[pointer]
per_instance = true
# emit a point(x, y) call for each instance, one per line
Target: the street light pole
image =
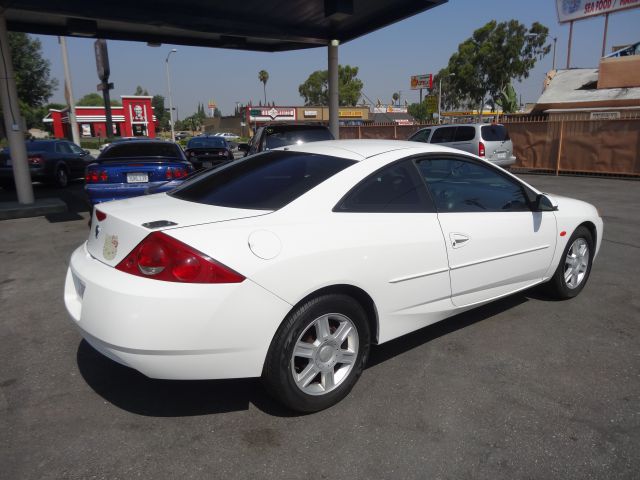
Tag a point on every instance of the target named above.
point(166, 61)
point(555, 39)
point(440, 97)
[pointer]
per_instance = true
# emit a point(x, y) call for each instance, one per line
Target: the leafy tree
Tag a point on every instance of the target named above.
point(95, 100)
point(140, 91)
point(395, 97)
point(33, 77)
point(315, 89)
point(497, 53)
point(263, 76)
point(419, 111)
point(161, 113)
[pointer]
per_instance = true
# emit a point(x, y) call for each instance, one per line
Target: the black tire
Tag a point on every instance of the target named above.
point(8, 185)
point(558, 287)
point(61, 178)
point(281, 365)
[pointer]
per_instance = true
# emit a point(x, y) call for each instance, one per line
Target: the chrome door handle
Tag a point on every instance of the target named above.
point(458, 239)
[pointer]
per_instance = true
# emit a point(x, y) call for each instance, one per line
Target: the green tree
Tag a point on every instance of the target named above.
point(419, 111)
point(161, 113)
point(95, 100)
point(315, 89)
point(263, 76)
point(141, 91)
point(33, 77)
point(495, 55)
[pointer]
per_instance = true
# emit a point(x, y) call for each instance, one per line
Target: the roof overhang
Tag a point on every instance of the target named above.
point(271, 25)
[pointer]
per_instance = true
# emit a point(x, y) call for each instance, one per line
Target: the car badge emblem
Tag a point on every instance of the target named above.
point(97, 230)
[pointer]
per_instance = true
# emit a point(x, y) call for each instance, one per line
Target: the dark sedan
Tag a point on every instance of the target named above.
point(207, 152)
point(128, 169)
point(50, 161)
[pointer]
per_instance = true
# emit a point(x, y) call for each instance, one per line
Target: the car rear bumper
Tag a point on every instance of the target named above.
point(172, 330)
point(98, 193)
point(503, 162)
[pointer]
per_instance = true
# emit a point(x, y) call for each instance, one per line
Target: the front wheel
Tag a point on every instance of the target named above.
point(575, 266)
point(318, 353)
point(61, 178)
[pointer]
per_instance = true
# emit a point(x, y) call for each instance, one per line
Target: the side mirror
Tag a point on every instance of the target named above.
point(543, 203)
point(243, 147)
point(86, 152)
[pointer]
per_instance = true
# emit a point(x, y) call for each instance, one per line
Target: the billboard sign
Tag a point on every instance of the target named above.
point(422, 81)
point(570, 10)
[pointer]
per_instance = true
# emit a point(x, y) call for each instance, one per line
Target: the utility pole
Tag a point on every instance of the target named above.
point(102, 64)
point(68, 92)
point(166, 61)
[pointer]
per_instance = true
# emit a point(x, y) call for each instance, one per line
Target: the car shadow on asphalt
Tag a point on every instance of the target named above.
point(136, 393)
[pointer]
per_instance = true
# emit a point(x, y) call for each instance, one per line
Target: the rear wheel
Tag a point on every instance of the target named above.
point(318, 353)
point(61, 177)
point(575, 266)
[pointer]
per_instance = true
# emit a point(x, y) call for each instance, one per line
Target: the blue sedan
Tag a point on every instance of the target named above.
point(128, 169)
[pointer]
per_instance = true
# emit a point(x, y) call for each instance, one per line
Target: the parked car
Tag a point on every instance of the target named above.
point(182, 135)
point(50, 161)
point(120, 139)
point(280, 135)
point(291, 263)
point(227, 136)
point(490, 141)
point(127, 169)
point(208, 151)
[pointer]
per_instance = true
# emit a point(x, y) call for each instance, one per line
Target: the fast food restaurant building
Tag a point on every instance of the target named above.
point(133, 119)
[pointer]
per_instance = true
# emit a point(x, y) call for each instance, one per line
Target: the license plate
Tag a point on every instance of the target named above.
point(501, 154)
point(137, 177)
point(207, 164)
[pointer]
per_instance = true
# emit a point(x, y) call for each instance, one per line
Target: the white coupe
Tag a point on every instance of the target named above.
point(289, 264)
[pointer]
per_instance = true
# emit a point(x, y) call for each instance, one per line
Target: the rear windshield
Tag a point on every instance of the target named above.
point(494, 133)
point(140, 150)
point(39, 146)
point(267, 181)
point(280, 138)
point(207, 142)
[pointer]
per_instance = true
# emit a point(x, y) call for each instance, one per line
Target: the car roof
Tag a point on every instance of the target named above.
point(363, 149)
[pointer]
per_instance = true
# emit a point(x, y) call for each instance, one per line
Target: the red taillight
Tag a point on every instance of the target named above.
point(35, 160)
point(103, 176)
point(481, 149)
point(169, 174)
point(100, 215)
point(162, 257)
point(94, 176)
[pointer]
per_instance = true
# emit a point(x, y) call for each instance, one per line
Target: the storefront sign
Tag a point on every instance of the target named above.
point(268, 114)
point(570, 10)
point(350, 114)
point(310, 113)
point(421, 81)
point(605, 116)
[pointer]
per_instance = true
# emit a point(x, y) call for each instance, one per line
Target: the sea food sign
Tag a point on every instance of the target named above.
point(570, 10)
point(272, 114)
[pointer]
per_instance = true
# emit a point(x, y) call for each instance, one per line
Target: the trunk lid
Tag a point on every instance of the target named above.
point(129, 221)
point(132, 171)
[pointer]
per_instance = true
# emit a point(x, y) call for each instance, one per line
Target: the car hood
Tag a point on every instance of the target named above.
point(129, 221)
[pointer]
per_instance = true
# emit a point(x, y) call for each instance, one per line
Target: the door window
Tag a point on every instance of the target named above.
point(395, 188)
point(443, 135)
point(458, 185)
point(76, 149)
point(63, 147)
point(421, 135)
point(464, 134)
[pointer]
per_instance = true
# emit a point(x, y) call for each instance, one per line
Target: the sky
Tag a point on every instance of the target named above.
point(386, 58)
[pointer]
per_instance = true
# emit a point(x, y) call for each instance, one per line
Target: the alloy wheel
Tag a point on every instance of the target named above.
point(576, 263)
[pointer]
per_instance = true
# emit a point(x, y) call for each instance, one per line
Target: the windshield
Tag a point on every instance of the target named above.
point(207, 142)
point(140, 150)
point(280, 138)
point(494, 133)
point(266, 181)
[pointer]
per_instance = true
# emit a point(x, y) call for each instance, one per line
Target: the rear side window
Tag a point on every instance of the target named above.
point(443, 135)
point(281, 137)
point(420, 135)
point(396, 188)
point(267, 181)
point(140, 150)
point(40, 146)
point(494, 133)
point(465, 134)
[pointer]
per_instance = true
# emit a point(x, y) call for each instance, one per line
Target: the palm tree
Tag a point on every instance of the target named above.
point(263, 76)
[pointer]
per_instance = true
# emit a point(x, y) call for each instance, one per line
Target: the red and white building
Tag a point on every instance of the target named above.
point(133, 119)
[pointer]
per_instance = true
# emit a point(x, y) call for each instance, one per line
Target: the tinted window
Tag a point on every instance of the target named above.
point(140, 150)
point(420, 136)
point(207, 142)
point(463, 186)
point(40, 146)
point(396, 188)
point(465, 134)
point(63, 147)
point(268, 181)
point(276, 137)
point(494, 133)
point(442, 135)
point(76, 149)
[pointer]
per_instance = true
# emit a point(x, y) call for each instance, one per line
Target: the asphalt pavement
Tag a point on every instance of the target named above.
point(522, 388)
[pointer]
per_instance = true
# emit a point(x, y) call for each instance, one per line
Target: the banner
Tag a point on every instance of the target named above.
point(422, 81)
point(570, 10)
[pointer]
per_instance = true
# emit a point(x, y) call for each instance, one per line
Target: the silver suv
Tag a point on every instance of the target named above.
point(487, 140)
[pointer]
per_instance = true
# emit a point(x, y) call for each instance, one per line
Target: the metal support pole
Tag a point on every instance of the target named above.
point(439, 102)
point(107, 109)
point(569, 46)
point(604, 38)
point(334, 103)
point(13, 121)
point(68, 92)
point(555, 39)
point(173, 130)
